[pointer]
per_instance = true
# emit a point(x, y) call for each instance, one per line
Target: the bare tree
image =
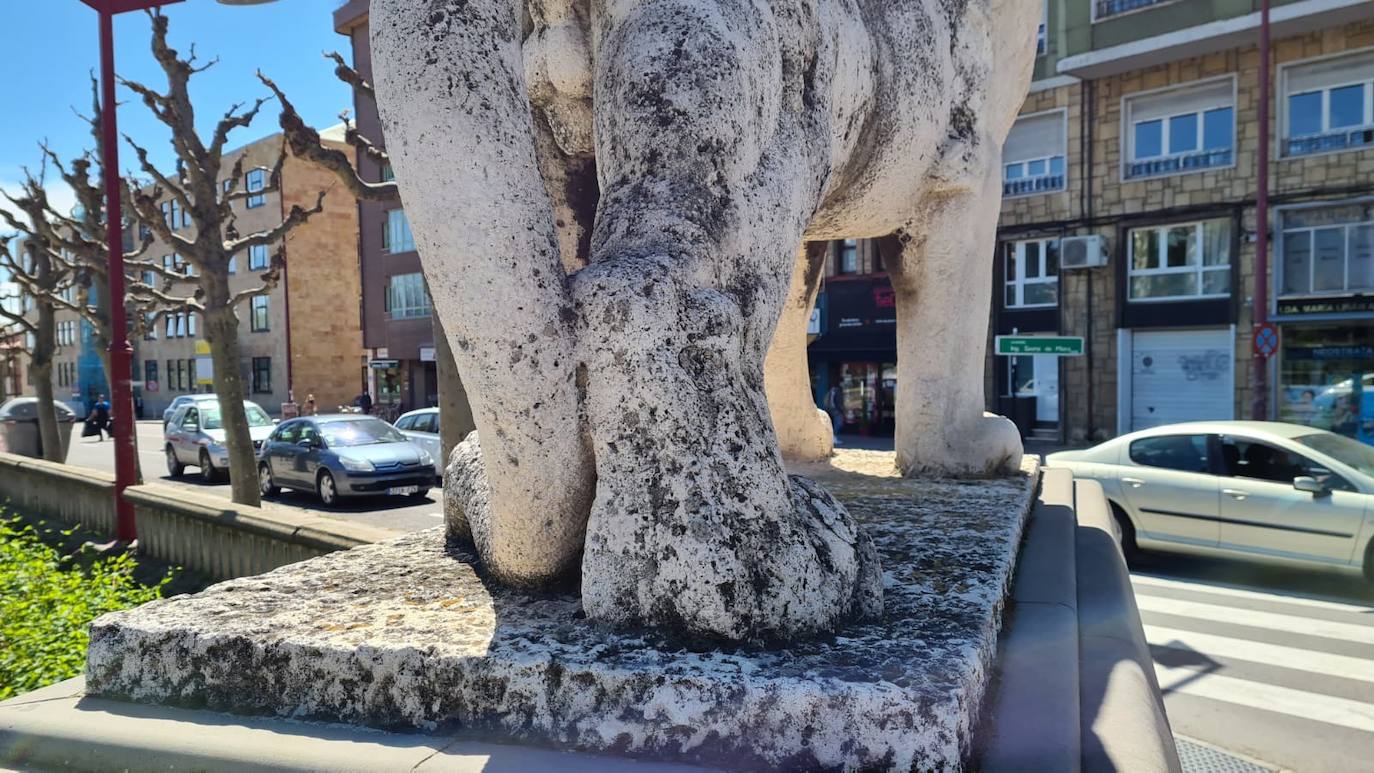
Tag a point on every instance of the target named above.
point(196, 190)
point(44, 281)
point(455, 415)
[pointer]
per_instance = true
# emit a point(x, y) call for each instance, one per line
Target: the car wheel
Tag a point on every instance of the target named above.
point(207, 469)
point(1129, 548)
point(327, 489)
point(265, 485)
point(174, 465)
point(421, 494)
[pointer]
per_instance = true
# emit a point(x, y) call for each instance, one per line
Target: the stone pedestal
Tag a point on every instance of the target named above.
point(407, 634)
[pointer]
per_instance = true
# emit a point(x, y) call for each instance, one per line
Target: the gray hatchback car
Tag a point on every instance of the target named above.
point(343, 455)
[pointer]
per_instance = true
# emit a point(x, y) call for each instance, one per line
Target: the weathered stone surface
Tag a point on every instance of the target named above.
point(608, 199)
point(408, 634)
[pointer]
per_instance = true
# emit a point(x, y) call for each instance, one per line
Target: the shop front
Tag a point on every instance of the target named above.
point(854, 361)
point(1325, 311)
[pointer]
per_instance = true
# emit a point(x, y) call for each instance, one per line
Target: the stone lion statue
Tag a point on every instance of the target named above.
point(610, 198)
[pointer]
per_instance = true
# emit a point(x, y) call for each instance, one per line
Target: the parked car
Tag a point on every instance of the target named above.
point(1281, 493)
point(195, 437)
point(181, 400)
point(343, 455)
point(422, 427)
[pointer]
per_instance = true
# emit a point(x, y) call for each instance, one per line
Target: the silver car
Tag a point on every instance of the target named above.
point(1281, 493)
point(181, 400)
point(343, 455)
point(422, 428)
point(195, 437)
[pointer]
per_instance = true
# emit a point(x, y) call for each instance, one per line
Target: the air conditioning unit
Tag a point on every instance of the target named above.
point(1082, 252)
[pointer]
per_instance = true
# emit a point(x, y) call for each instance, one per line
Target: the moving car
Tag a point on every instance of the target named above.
point(422, 428)
point(195, 436)
point(181, 400)
point(1281, 493)
point(343, 455)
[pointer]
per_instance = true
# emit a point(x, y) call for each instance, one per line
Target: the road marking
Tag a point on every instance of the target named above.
point(1343, 712)
point(1149, 581)
point(1273, 621)
point(435, 515)
point(1342, 666)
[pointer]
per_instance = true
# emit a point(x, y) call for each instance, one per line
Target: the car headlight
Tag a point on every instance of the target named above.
point(425, 458)
point(356, 465)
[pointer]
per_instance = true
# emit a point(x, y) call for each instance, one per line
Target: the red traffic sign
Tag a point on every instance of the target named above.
point(1266, 340)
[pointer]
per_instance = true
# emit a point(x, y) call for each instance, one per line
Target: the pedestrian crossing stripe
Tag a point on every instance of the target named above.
point(1292, 658)
point(1150, 581)
point(1190, 680)
point(1215, 613)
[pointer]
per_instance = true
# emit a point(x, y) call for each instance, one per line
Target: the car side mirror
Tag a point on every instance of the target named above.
point(1311, 485)
point(305, 443)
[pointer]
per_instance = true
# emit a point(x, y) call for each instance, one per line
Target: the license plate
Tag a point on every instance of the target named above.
point(402, 490)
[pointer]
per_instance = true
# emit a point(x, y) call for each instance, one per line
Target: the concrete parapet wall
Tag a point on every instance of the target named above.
point(59, 492)
point(206, 534)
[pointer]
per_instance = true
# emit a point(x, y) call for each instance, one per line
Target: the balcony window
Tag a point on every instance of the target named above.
point(396, 237)
point(1179, 131)
point(1033, 158)
point(1327, 251)
point(1031, 273)
point(1328, 105)
point(1183, 261)
point(1103, 9)
point(406, 297)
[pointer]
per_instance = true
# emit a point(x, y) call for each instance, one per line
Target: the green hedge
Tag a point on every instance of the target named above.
point(47, 601)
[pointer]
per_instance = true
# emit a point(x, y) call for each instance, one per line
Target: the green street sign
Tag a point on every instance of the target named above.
point(1057, 346)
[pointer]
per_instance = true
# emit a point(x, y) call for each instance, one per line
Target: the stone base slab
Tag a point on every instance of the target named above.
point(406, 634)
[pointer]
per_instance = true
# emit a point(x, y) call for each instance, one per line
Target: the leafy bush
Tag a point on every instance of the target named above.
point(47, 601)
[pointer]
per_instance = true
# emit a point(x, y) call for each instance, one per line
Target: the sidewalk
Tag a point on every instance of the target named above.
point(873, 443)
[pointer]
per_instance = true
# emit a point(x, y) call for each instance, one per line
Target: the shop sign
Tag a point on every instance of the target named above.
point(205, 364)
point(1354, 304)
point(426, 354)
point(1057, 346)
point(384, 364)
point(1361, 352)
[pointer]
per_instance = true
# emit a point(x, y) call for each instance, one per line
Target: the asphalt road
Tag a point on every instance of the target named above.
point(399, 513)
point(1273, 664)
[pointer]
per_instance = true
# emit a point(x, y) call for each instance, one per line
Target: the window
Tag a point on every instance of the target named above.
point(1031, 272)
point(171, 325)
point(262, 375)
point(226, 185)
point(847, 257)
point(166, 214)
point(1327, 250)
point(1103, 9)
point(172, 375)
point(181, 325)
point(149, 327)
point(1180, 130)
point(150, 278)
point(406, 297)
point(397, 237)
point(191, 375)
point(289, 432)
point(258, 317)
point(191, 323)
point(1187, 453)
point(149, 371)
point(1328, 104)
point(1252, 459)
point(1183, 261)
point(257, 257)
point(1033, 156)
point(388, 174)
point(254, 181)
point(406, 422)
point(234, 265)
point(1040, 30)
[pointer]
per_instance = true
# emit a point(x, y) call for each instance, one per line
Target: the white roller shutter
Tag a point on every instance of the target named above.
point(1038, 136)
point(1181, 375)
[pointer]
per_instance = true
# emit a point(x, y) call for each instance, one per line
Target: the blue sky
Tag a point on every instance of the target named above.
point(52, 45)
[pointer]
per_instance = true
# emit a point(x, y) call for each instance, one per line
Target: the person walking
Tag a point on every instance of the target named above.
point(99, 418)
point(364, 402)
point(834, 405)
point(310, 409)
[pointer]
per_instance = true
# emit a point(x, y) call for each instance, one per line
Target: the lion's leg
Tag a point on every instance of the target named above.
point(943, 280)
point(695, 526)
point(804, 431)
point(450, 81)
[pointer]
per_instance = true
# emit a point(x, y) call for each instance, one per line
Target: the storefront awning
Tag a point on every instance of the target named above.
point(860, 322)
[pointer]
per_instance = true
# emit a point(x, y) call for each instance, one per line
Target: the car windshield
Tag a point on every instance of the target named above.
point(359, 432)
point(1344, 450)
point(210, 418)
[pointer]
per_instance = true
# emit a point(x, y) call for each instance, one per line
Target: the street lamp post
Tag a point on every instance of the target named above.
point(121, 352)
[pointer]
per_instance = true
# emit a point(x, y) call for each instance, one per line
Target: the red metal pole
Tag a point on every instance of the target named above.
point(121, 353)
point(1260, 313)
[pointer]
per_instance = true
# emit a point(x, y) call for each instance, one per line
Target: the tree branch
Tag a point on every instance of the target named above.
point(297, 216)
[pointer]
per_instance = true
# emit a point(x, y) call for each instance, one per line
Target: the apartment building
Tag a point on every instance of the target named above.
point(398, 331)
point(300, 338)
point(1129, 217)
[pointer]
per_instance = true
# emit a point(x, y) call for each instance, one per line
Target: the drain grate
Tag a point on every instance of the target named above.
point(1198, 757)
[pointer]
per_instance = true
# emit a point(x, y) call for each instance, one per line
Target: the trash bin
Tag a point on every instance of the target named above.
point(19, 427)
